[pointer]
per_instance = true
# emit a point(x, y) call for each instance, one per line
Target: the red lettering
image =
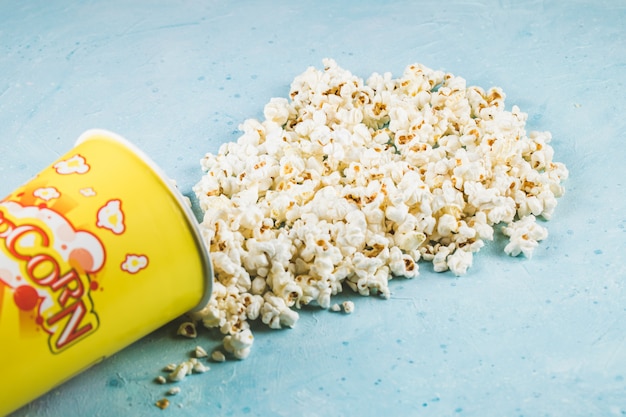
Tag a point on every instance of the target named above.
point(13, 239)
point(6, 226)
point(37, 265)
point(64, 282)
point(42, 266)
point(71, 331)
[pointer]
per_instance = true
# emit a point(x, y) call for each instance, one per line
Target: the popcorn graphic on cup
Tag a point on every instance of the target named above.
point(74, 165)
point(87, 192)
point(47, 193)
point(134, 263)
point(111, 217)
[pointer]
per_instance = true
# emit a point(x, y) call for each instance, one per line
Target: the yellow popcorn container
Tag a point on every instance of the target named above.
point(98, 250)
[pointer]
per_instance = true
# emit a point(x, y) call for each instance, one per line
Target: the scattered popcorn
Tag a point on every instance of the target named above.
point(170, 367)
point(218, 356)
point(173, 391)
point(187, 329)
point(160, 380)
point(199, 352)
point(163, 403)
point(199, 367)
point(348, 307)
point(180, 372)
point(239, 344)
point(351, 182)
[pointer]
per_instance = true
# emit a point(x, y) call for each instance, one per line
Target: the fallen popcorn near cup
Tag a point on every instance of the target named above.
point(351, 183)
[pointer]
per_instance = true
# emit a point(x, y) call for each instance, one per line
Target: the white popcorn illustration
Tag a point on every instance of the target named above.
point(87, 192)
point(74, 165)
point(47, 193)
point(134, 263)
point(111, 217)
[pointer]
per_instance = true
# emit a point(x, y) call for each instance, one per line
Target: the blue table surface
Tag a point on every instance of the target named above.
point(514, 337)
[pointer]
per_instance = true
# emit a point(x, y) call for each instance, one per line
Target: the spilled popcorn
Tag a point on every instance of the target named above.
point(350, 183)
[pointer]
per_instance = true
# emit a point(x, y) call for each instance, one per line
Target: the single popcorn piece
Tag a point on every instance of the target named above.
point(199, 352)
point(460, 261)
point(525, 235)
point(188, 329)
point(170, 367)
point(173, 391)
point(239, 344)
point(349, 183)
point(199, 368)
point(276, 314)
point(180, 372)
point(348, 307)
point(218, 356)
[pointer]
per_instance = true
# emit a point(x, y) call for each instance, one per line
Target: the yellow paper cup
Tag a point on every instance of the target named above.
point(96, 251)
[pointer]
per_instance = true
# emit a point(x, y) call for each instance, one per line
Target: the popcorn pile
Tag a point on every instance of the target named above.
point(351, 183)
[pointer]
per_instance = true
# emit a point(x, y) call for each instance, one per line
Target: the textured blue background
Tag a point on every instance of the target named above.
point(514, 337)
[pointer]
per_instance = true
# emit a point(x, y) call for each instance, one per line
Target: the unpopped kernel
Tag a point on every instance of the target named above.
point(350, 182)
